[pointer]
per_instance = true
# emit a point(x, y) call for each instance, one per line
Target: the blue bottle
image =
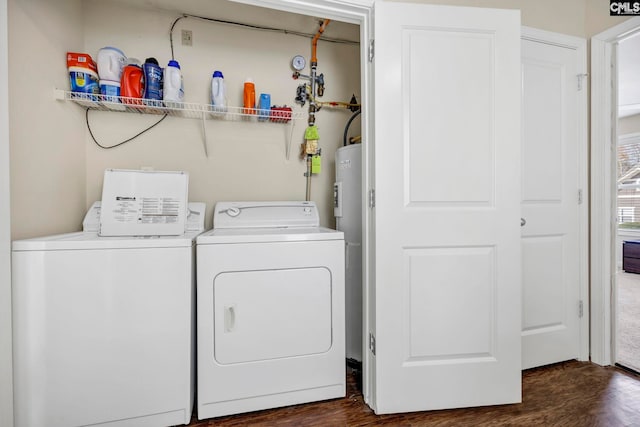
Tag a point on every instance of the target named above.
point(152, 80)
point(265, 107)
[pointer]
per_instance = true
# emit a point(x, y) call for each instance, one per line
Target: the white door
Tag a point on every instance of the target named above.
point(447, 210)
point(550, 205)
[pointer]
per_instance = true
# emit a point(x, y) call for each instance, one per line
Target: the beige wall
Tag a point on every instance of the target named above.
point(246, 160)
point(47, 136)
point(597, 17)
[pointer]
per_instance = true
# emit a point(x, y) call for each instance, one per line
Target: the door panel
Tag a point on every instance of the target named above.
point(447, 173)
point(457, 294)
point(550, 323)
point(428, 163)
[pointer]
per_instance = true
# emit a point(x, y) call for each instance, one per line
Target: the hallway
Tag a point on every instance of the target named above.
point(628, 320)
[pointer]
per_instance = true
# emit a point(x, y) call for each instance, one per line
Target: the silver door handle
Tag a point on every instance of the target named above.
point(523, 222)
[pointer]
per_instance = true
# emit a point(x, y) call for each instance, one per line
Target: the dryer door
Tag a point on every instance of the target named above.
point(270, 314)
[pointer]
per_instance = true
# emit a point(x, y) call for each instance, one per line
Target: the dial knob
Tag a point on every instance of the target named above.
point(233, 211)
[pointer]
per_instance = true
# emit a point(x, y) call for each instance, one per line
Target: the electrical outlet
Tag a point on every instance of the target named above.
point(187, 38)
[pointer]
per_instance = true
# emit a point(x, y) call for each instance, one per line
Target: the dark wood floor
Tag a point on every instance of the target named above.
point(567, 394)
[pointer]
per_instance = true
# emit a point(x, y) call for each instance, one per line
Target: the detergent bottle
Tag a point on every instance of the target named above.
point(173, 86)
point(111, 61)
point(152, 79)
point(218, 92)
point(249, 97)
point(132, 82)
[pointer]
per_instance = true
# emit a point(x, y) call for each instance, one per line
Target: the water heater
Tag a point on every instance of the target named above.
point(348, 212)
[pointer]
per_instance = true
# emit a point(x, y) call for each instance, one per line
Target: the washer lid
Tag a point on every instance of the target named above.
point(267, 235)
point(90, 240)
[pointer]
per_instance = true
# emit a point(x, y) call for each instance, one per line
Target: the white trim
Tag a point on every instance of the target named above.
point(6, 365)
point(603, 139)
point(580, 46)
point(558, 39)
point(351, 11)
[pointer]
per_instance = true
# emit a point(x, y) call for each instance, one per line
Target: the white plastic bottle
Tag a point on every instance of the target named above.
point(173, 93)
point(111, 61)
point(218, 92)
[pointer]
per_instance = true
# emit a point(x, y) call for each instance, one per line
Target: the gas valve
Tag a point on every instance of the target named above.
point(320, 83)
point(301, 94)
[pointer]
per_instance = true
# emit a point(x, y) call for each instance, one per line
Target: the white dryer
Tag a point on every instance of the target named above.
point(104, 329)
point(270, 308)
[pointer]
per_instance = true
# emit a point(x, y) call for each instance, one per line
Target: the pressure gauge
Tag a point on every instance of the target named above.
point(298, 62)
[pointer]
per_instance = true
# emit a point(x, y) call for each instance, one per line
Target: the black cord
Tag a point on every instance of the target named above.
point(273, 29)
point(107, 147)
point(346, 128)
point(254, 27)
point(171, 34)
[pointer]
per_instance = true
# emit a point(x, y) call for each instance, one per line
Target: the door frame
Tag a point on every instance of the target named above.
point(603, 142)
point(580, 46)
point(6, 360)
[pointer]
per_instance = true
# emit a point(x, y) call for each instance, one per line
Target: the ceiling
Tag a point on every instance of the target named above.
point(629, 76)
point(253, 15)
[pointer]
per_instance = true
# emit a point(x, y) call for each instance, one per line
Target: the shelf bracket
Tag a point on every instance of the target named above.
point(288, 147)
point(58, 94)
point(204, 134)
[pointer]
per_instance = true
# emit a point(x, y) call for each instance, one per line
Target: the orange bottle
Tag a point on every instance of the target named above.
point(249, 97)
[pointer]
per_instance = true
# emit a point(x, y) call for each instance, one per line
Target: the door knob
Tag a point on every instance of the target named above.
point(523, 222)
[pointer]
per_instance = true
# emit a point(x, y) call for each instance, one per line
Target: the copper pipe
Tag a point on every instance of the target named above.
point(314, 64)
point(308, 175)
point(314, 42)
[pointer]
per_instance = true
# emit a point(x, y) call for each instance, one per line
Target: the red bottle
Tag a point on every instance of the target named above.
point(132, 84)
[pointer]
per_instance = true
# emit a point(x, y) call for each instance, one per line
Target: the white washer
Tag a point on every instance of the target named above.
point(104, 330)
point(270, 308)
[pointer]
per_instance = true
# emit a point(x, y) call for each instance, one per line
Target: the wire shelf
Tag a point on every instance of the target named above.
point(186, 110)
point(176, 109)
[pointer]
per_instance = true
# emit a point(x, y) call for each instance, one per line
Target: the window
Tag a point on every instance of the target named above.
point(629, 182)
